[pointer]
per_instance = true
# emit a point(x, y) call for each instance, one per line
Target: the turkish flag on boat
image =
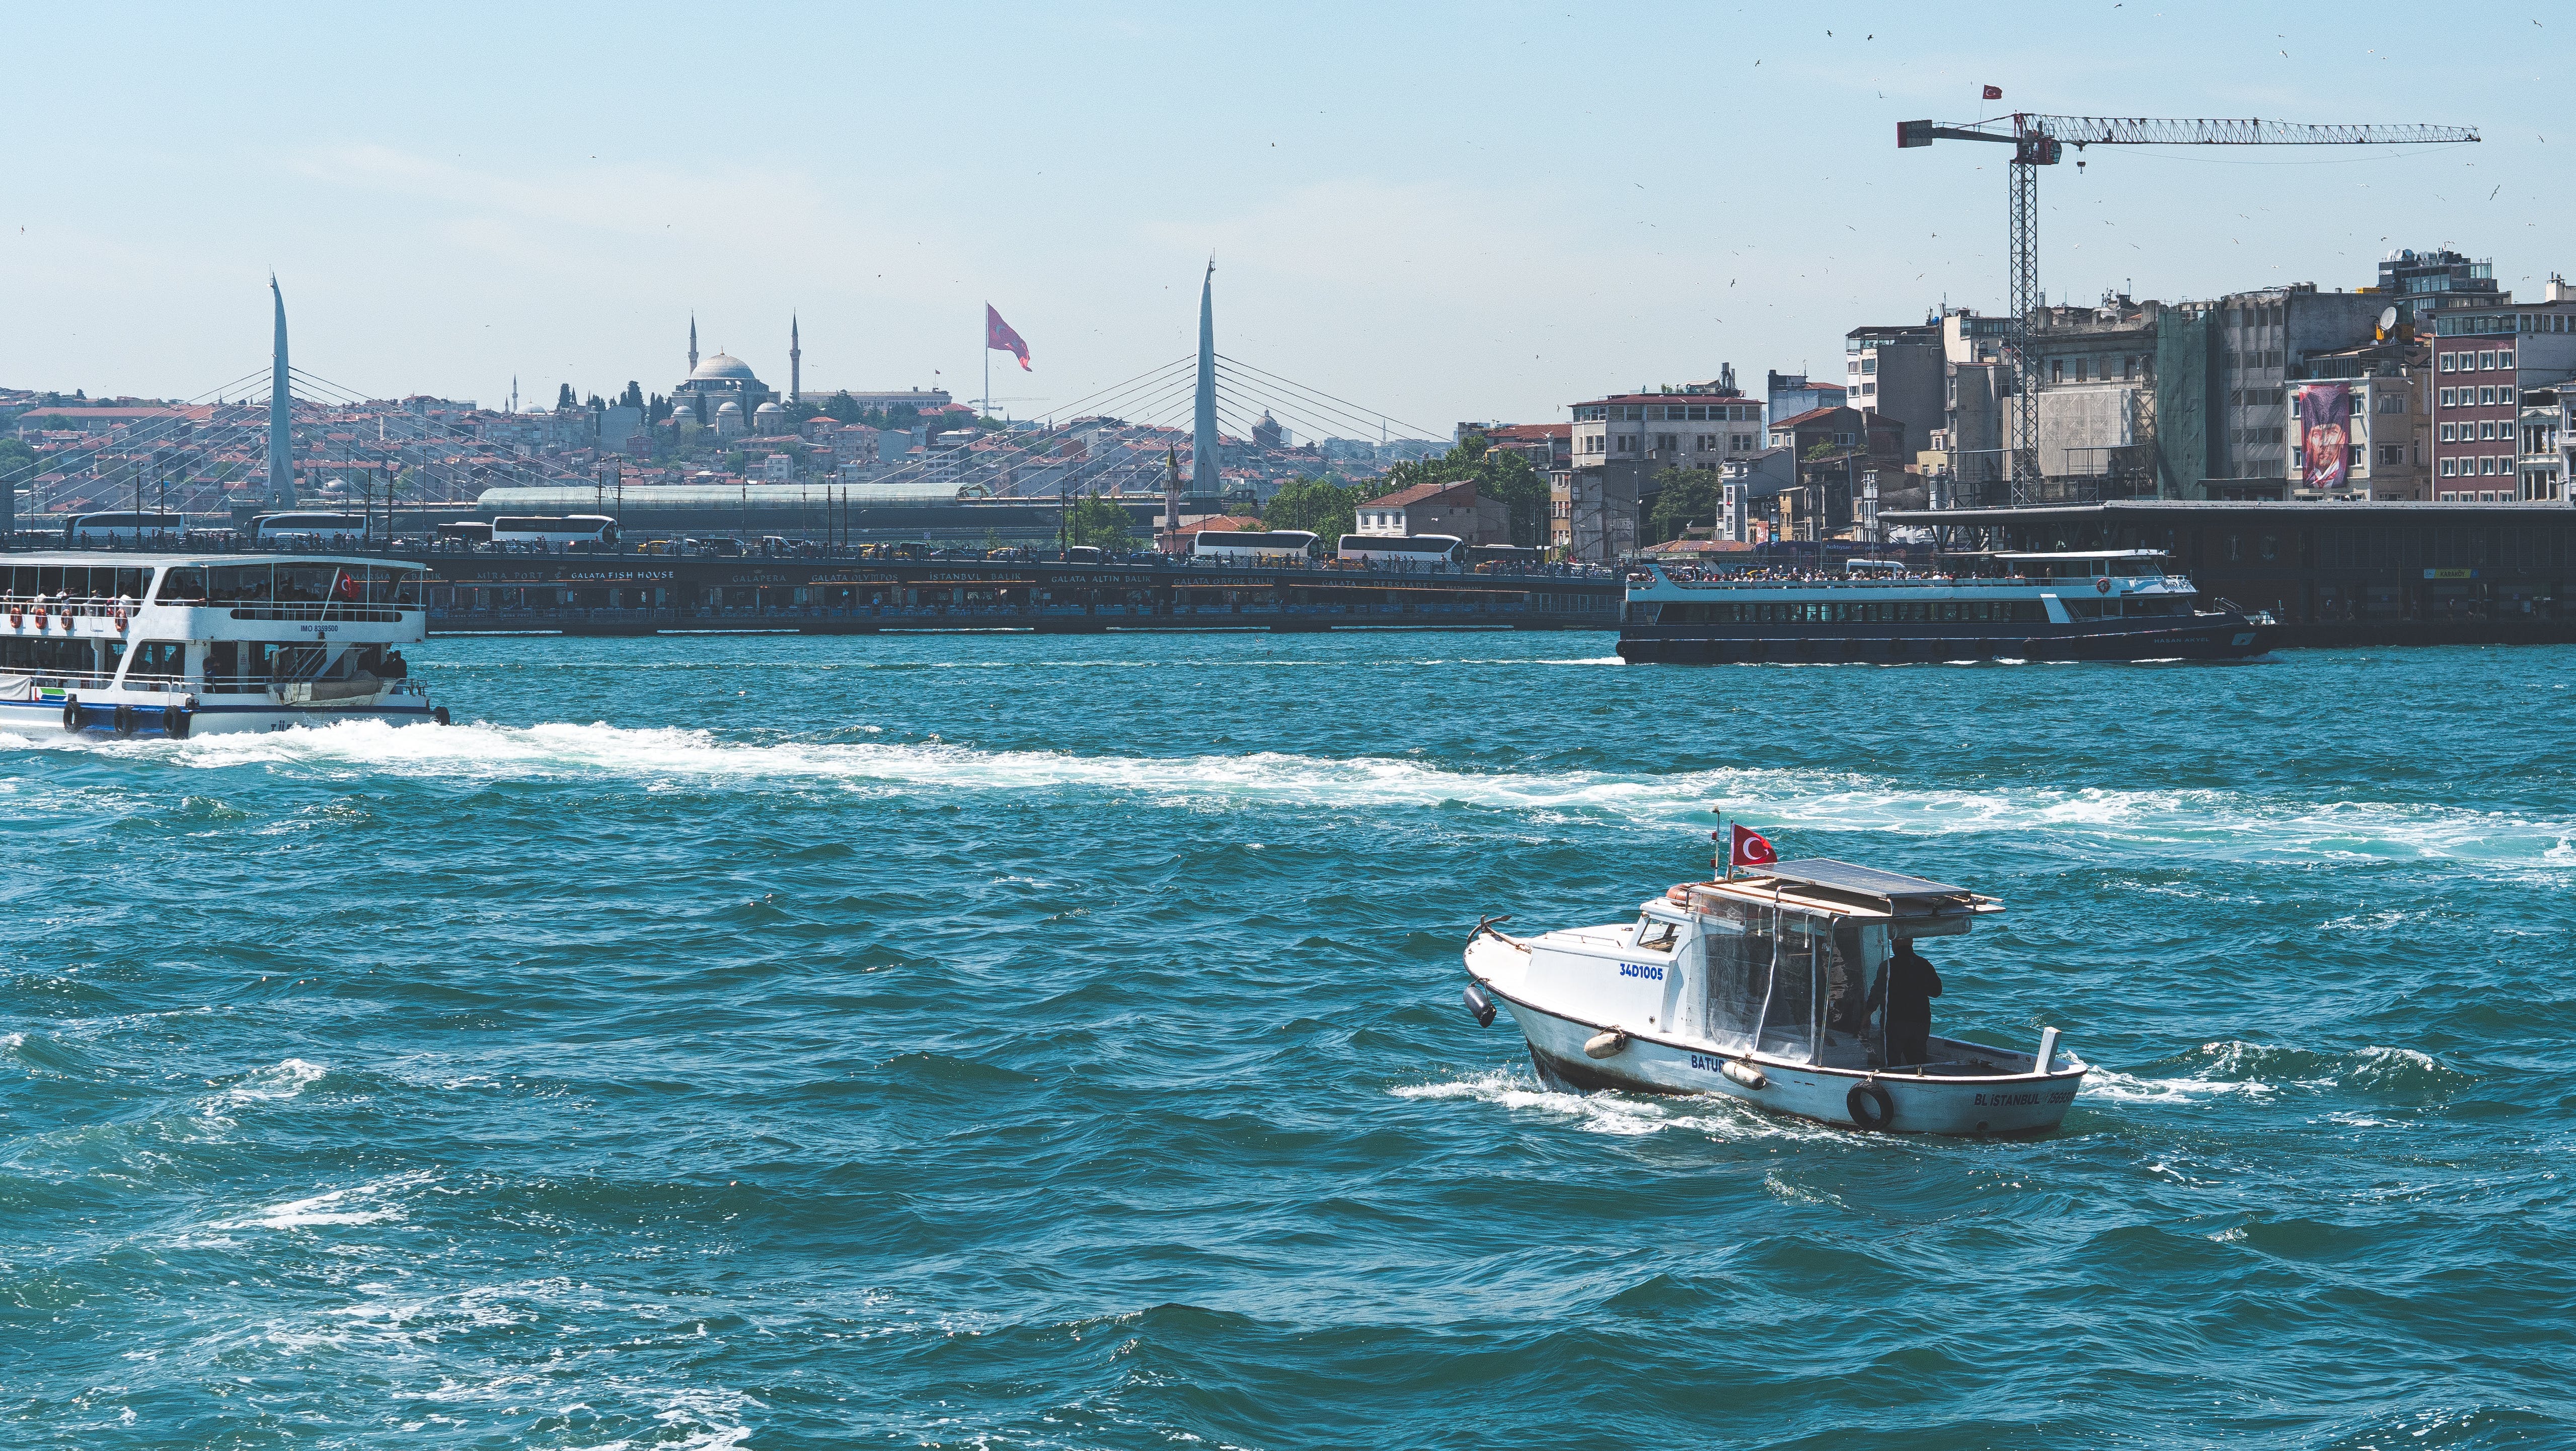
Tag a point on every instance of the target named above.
point(1994, 93)
point(999, 334)
point(1753, 849)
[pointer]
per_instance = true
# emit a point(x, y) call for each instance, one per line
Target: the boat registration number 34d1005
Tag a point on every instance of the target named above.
point(1641, 969)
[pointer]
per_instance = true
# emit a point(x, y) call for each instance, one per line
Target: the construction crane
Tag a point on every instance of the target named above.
point(2039, 141)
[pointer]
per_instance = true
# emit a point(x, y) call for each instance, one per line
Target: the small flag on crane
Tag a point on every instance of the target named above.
point(1994, 93)
point(1000, 335)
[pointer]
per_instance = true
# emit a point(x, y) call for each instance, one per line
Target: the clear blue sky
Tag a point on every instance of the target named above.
point(1444, 211)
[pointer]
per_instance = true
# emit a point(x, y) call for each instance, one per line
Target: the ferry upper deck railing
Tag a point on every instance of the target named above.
point(364, 612)
point(1774, 579)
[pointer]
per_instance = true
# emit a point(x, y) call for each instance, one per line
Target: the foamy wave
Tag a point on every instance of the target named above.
point(2234, 1068)
point(1621, 1114)
point(285, 1080)
point(2173, 823)
point(373, 1203)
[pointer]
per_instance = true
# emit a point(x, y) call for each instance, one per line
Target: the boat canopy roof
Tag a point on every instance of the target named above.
point(1822, 886)
point(1824, 871)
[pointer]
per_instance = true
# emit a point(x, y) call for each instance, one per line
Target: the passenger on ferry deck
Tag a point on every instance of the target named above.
point(1911, 987)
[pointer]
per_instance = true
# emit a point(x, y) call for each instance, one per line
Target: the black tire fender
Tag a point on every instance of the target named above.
point(71, 713)
point(122, 718)
point(438, 713)
point(1870, 1106)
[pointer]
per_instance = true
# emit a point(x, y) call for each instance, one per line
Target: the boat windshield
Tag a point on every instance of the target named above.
point(1796, 984)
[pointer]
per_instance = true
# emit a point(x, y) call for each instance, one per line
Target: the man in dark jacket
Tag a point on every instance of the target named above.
point(1911, 987)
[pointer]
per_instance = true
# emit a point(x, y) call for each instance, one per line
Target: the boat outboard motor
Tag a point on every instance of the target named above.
point(1479, 1006)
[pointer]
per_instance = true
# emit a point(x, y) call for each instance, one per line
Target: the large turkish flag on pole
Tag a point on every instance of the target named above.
point(999, 334)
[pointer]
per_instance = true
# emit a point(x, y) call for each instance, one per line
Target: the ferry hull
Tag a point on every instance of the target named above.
point(98, 716)
point(2014, 1104)
point(2223, 638)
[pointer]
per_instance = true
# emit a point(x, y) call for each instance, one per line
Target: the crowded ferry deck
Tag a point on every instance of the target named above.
point(2081, 605)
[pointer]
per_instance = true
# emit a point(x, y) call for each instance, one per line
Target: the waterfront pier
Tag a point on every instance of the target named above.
point(864, 592)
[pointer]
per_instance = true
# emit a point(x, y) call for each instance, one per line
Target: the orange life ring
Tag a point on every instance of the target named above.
point(40, 614)
point(120, 619)
point(17, 614)
point(2102, 586)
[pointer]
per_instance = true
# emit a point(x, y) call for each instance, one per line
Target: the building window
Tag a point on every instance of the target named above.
point(2486, 464)
point(2505, 358)
point(2505, 396)
point(2450, 433)
point(2450, 362)
point(2446, 399)
point(2057, 370)
point(2392, 454)
point(2450, 466)
point(2128, 369)
point(2486, 360)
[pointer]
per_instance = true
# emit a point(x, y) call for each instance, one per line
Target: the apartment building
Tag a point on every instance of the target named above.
point(2548, 423)
point(1897, 372)
point(2388, 432)
point(2484, 359)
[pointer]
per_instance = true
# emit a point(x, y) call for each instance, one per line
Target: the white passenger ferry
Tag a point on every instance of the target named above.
point(171, 644)
point(1776, 988)
point(2124, 604)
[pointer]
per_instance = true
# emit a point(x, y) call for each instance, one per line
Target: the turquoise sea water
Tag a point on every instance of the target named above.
point(1001, 1042)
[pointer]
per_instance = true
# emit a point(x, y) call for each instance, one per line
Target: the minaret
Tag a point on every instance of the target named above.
point(795, 363)
point(693, 342)
point(1203, 452)
point(281, 415)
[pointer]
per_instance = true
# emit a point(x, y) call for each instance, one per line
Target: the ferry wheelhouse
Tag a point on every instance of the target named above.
point(1774, 988)
point(2090, 605)
point(171, 644)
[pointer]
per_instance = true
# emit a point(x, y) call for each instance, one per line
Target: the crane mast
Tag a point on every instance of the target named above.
point(2041, 140)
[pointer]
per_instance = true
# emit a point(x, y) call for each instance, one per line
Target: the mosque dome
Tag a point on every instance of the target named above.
point(728, 407)
point(721, 367)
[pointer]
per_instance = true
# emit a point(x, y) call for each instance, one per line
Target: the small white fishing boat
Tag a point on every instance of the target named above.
point(1775, 988)
point(170, 644)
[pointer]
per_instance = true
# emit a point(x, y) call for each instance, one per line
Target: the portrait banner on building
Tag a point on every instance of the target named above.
point(2325, 427)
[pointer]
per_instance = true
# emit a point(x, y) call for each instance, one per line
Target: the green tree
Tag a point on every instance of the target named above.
point(564, 398)
point(1098, 522)
point(633, 397)
point(1509, 477)
point(1689, 497)
point(1328, 509)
